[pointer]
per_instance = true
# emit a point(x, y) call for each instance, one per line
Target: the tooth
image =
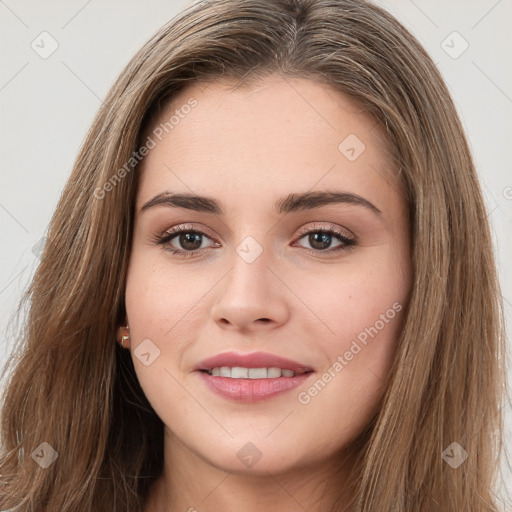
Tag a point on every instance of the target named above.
point(274, 372)
point(225, 371)
point(257, 373)
point(238, 372)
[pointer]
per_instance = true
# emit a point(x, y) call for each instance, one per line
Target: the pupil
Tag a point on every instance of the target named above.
point(322, 238)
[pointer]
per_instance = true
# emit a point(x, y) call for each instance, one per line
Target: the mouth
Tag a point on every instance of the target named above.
point(248, 378)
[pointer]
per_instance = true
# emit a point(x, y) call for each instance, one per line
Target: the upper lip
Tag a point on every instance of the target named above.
point(252, 360)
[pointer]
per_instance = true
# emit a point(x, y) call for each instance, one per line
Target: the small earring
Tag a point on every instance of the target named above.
point(124, 337)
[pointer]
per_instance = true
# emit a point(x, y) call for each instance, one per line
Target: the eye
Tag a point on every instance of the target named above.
point(190, 240)
point(320, 238)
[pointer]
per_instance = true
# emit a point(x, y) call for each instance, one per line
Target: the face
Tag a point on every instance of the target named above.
point(298, 250)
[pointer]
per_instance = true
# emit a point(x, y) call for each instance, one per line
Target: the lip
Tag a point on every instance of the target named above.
point(251, 390)
point(253, 360)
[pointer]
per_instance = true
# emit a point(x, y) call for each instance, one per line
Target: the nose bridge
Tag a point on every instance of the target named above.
point(248, 280)
point(250, 291)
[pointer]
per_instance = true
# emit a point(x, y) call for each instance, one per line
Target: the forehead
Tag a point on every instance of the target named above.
point(279, 133)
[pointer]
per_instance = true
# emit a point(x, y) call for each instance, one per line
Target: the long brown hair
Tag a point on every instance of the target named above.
point(72, 387)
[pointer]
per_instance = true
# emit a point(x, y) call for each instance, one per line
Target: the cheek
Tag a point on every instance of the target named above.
point(366, 293)
point(161, 297)
point(160, 311)
point(363, 307)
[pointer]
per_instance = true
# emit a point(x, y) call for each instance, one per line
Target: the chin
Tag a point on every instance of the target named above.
point(258, 457)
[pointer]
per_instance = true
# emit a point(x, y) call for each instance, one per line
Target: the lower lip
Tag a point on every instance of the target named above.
point(252, 390)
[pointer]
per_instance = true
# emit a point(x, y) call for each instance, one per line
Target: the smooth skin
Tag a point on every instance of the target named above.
point(306, 297)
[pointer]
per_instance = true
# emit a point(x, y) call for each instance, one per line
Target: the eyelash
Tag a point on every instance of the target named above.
point(165, 239)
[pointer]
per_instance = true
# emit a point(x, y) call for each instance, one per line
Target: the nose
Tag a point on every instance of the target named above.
point(251, 297)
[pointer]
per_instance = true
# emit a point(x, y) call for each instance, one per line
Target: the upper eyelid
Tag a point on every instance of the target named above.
point(330, 227)
point(338, 230)
point(186, 228)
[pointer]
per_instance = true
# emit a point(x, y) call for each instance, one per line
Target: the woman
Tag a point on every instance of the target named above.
point(277, 217)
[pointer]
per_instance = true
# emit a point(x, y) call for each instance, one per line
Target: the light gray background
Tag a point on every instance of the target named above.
point(47, 105)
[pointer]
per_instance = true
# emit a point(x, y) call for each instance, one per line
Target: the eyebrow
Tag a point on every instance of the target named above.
point(290, 203)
